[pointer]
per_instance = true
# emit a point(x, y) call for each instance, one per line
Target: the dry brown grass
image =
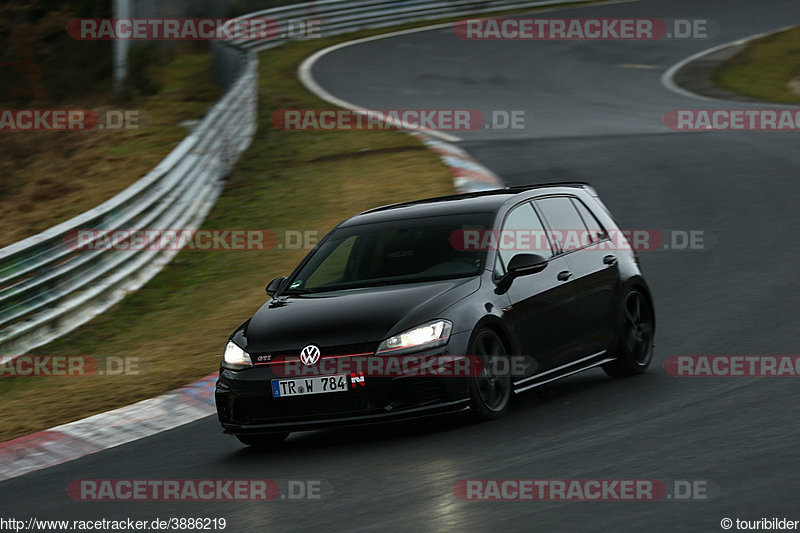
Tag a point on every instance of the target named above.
point(49, 177)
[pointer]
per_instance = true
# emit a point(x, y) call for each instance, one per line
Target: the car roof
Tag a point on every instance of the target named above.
point(473, 202)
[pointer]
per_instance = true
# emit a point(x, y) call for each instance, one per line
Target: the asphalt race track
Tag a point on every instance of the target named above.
point(587, 118)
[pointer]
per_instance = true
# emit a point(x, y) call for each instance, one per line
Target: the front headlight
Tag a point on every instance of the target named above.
point(423, 337)
point(236, 358)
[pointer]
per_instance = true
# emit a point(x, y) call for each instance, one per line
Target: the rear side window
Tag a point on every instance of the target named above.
point(566, 227)
point(596, 231)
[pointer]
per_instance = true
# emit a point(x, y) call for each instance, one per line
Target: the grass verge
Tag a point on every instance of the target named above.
point(49, 177)
point(768, 69)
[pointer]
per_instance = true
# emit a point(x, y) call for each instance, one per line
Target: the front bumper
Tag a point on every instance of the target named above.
point(245, 404)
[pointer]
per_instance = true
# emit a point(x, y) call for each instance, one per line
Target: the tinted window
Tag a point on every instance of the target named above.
point(523, 232)
point(596, 231)
point(398, 251)
point(565, 225)
point(334, 266)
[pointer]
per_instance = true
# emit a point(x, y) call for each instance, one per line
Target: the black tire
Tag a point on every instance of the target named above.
point(270, 440)
point(490, 395)
point(635, 338)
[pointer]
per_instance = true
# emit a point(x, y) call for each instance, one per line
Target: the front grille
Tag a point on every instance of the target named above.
point(364, 348)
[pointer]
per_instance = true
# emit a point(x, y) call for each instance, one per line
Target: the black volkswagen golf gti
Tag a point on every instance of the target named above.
point(526, 285)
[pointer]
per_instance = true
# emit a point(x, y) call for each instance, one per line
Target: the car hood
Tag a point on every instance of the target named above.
point(355, 316)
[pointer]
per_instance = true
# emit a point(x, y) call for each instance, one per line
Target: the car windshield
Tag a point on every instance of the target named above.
point(400, 251)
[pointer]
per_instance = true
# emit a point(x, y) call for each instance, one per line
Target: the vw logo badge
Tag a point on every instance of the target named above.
point(310, 355)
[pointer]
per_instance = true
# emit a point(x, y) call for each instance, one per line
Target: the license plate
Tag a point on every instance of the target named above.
point(311, 385)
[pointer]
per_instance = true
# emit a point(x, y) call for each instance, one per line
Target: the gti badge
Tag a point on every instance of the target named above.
point(310, 355)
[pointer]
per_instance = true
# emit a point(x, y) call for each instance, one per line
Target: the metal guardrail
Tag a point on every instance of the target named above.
point(343, 16)
point(47, 289)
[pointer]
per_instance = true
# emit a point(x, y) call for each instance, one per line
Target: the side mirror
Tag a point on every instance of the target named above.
point(520, 265)
point(275, 285)
point(523, 264)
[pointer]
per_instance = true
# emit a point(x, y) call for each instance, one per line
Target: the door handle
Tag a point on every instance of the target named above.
point(564, 275)
point(610, 260)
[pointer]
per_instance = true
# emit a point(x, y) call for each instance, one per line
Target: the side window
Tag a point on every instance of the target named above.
point(566, 227)
point(596, 231)
point(523, 232)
